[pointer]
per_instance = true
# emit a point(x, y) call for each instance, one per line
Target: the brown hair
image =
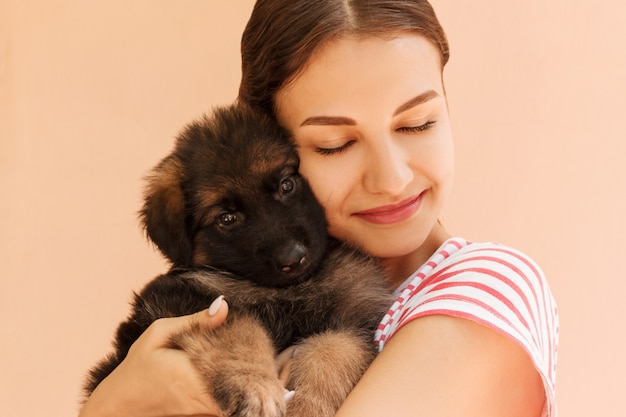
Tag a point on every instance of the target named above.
point(281, 36)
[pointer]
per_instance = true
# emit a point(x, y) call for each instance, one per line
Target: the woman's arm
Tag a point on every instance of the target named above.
point(154, 380)
point(444, 366)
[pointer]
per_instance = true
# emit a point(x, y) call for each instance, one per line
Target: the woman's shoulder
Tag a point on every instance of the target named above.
point(489, 281)
point(495, 285)
point(456, 247)
point(468, 263)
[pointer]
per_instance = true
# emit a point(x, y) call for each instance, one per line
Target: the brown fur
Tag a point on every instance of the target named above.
point(228, 208)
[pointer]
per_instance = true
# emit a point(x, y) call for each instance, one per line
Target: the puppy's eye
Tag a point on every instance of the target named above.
point(227, 219)
point(287, 185)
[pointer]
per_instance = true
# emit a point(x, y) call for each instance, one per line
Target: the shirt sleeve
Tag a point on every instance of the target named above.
point(496, 286)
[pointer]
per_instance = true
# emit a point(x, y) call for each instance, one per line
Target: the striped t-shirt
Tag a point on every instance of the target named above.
point(491, 284)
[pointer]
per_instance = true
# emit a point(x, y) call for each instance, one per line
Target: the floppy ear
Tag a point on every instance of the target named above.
point(163, 213)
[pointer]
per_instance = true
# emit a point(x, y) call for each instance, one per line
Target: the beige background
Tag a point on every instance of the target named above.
point(91, 94)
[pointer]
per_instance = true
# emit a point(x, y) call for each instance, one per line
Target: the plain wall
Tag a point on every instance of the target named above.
point(92, 94)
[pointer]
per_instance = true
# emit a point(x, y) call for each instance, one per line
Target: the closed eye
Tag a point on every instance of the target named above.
point(333, 151)
point(416, 129)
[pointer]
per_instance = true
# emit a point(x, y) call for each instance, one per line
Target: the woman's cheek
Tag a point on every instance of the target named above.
point(317, 178)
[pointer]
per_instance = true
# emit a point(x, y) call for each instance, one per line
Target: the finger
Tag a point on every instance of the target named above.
point(217, 312)
point(159, 332)
point(283, 373)
point(289, 395)
point(283, 357)
point(283, 363)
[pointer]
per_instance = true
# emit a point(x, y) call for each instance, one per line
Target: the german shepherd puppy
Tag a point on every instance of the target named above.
point(228, 208)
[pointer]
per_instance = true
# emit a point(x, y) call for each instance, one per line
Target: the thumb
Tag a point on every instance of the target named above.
point(211, 317)
point(160, 330)
point(217, 312)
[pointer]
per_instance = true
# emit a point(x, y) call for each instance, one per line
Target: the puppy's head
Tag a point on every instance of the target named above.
point(229, 196)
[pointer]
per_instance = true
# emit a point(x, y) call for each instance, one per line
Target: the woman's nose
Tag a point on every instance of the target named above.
point(387, 170)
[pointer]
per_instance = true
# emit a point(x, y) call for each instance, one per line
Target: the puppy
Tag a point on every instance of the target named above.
point(228, 208)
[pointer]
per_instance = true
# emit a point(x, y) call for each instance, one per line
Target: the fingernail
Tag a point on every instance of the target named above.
point(289, 395)
point(215, 305)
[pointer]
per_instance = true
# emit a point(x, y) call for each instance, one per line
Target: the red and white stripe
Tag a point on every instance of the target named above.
point(491, 284)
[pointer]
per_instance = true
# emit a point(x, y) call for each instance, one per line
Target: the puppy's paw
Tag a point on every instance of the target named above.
point(324, 371)
point(236, 363)
point(310, 404)
point(248, 396)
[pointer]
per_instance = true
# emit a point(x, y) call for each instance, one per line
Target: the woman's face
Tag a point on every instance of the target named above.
point(370, 120)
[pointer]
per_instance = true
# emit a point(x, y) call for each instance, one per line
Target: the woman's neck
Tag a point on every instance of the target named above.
point(400, 268)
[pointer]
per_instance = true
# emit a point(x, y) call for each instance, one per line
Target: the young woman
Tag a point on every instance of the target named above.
point(359, 84)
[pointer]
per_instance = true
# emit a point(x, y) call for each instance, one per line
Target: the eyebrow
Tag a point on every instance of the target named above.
point(339, 120)
point(328, 121)
point(416, 101)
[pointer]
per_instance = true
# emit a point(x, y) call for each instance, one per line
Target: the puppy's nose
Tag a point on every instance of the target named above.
point(292, 257)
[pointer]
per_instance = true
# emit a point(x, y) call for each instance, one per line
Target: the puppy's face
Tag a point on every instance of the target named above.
point(229, 196)
point(259, 221)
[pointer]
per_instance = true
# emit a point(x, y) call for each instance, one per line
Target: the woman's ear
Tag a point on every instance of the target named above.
point(163, 212)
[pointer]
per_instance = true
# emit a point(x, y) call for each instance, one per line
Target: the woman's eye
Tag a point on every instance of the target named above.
point(416, 129)
point(333, 151)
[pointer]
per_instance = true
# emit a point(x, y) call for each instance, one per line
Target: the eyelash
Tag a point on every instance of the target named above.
point(420, 128)
point(409, 129)
point(334, 151)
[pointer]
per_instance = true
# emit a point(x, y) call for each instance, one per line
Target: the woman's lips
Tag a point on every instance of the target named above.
point(392, 213)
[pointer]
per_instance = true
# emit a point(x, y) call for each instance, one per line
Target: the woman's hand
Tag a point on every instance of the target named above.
point(283, 364)
point(154, 380)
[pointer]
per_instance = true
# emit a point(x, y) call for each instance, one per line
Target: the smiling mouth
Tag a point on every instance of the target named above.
point(392, 213)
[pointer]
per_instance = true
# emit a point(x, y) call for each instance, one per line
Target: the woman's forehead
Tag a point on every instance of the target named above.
point(357, 67)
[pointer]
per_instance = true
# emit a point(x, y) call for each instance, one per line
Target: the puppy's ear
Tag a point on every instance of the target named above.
point(163, 213)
